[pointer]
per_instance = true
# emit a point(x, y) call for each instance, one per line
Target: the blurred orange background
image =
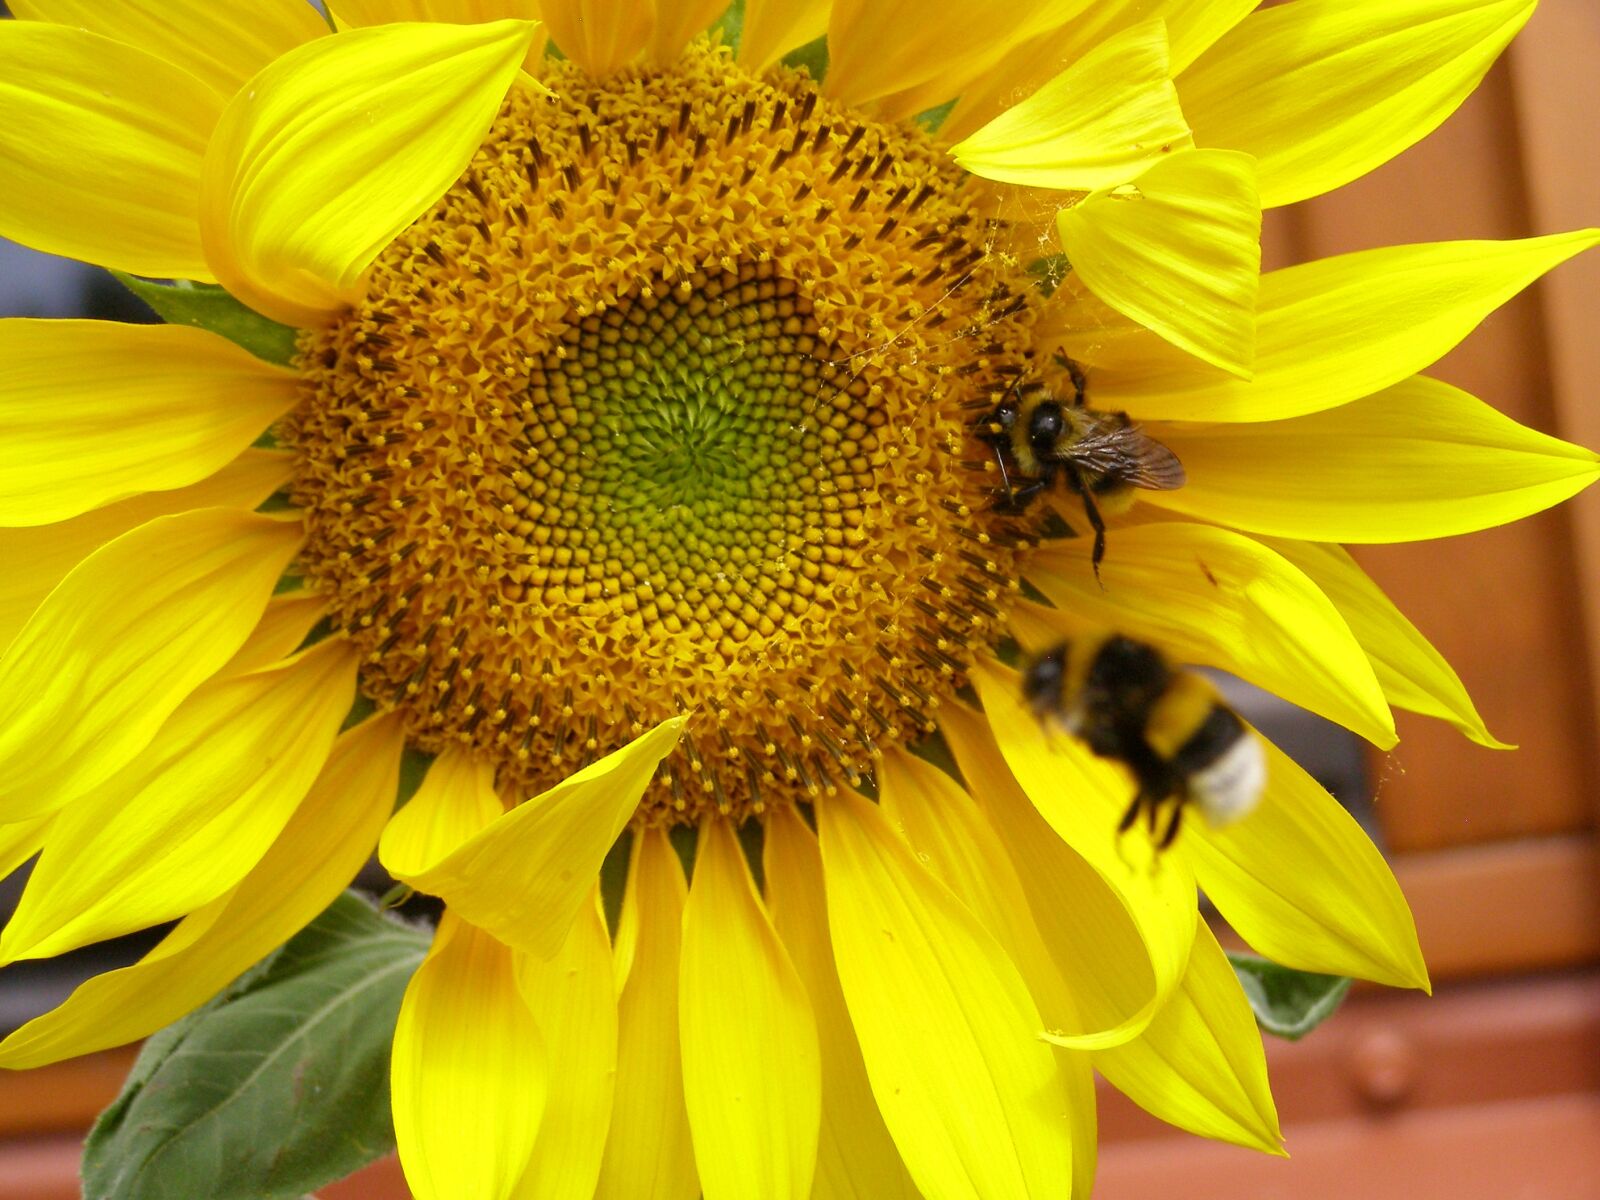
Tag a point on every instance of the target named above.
point(1491, 1089)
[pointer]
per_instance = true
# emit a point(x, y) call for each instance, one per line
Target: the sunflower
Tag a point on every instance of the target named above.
point(626, 465)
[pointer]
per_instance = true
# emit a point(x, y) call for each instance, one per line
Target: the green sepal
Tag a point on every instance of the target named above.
point(1287, 1003)
point(729, 27)
point(277, 1087)
point(207, 306)
point(811, 58)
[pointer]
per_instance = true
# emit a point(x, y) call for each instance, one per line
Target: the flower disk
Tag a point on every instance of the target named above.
point(665, 408)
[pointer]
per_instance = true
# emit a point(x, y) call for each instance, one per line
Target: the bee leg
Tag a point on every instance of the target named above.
point(1096, 521)
point(1172, 827)
point(1132, 815)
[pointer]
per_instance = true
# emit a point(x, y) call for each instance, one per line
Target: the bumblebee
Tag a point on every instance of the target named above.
point(1167, 725)
point(1101, 456)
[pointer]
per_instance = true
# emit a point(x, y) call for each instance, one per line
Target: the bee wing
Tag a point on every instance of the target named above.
point(1126, 454)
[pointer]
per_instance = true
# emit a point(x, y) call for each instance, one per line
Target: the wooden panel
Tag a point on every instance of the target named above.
point(1500, 604)
point(1557, 92)
point(61, 1098)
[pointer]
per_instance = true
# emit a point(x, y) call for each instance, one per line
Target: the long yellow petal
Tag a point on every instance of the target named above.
point(1200, 1065)
point(883, 48)
point(469, 1070)
point(950, 833)
point(313, 860)
point(284, 626)
point(677, 23)
point(772, 28)
point(601, 36)
point(1083, 799)
point(457, 799)
point(575, 1003)
point(1418, 460)
point(1414, 676)
point(856, 1158)
point(338, 146)
point(752, 1079)
point(354, 14)
point(20, 841)
point(947, 1027)
point(1099, 123)
point(648, 1153)
point(1192, 26)
point(1221, 599)
point(1302, 883)
point(1080, 918)
point(221, 44)
point(38, 558)
point(191, 814)
point(1322, 91)
point(92, 412)
point(1335, 330)
point(524, 877)
point(122, 641)
point(1178, 251)
point(81, 110)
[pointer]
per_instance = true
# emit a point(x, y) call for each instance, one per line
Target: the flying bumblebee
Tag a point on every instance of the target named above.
point(1167, 725)
point(1101, 456)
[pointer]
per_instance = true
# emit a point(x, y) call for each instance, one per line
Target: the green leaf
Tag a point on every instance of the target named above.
point(1286, 1002)
point(277, 1087)
point(207, 306)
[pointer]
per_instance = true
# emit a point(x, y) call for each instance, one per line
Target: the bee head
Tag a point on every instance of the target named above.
point(1046, 423)
point(1043, 680)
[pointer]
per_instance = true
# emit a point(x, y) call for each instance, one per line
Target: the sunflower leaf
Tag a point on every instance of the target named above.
point(275, 1088)
point(1287, 1003)
point(207, 306)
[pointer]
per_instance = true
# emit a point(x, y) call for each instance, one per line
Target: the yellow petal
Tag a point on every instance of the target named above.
point(338, 146)
point(353, 14)
point(947, 1028)
point(1221, 599)
point(221, 44)
point(575, 1004)
point(92, 412)
point(469, 1070)
point(192, 813)
point(950, 833)
point(1192, 26)
point(648, 1154)
point(1418, 460)
point(856, 1158)
point(1322, 91)
point(38, 558)
point(1079, 917)
point(20, 841)
point(1302, 883)
point(283, 629)
point(751, 1075)
point(1099, 123)
point(80, 110)
point(599, 35)
point(313, 860)
point(877, 48)
point(1338, 329)
point(456, 800)
point(772, 28)
point(1178, 251)
point(1083, 798)
point(677, 23)
point(1414, 676)
point(124, 639)
point(1200, 1065)
point(524, 877)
